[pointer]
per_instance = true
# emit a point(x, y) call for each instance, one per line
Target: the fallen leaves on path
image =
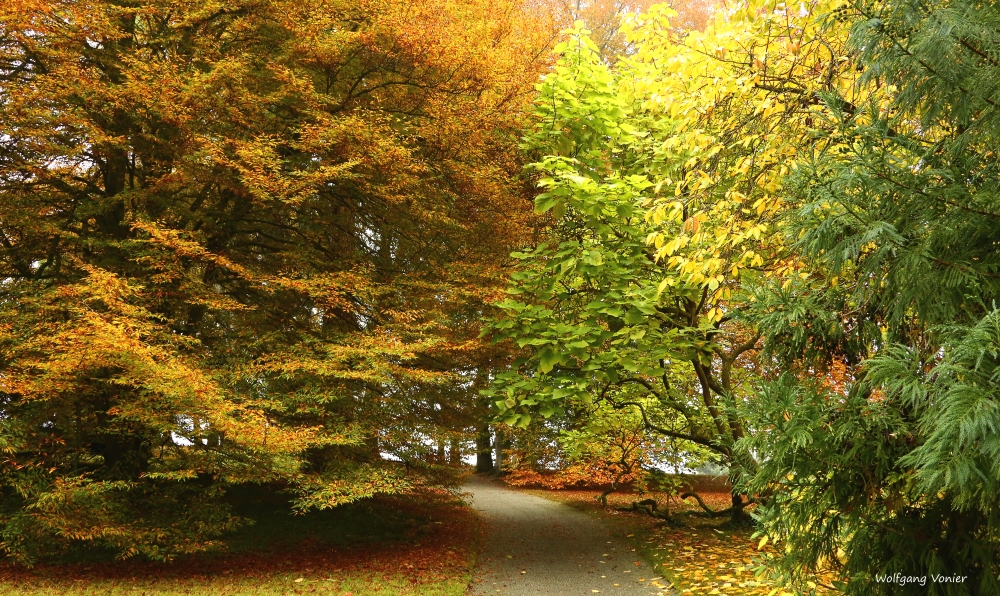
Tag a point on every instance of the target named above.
point(705, 558)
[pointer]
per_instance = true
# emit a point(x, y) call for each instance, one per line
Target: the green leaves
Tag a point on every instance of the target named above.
point(593, 316)
point(957, 409)
point(547, 359)
point(880, 465)
point(634, 316)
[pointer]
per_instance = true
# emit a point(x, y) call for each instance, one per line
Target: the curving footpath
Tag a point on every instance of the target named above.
point(535, 546)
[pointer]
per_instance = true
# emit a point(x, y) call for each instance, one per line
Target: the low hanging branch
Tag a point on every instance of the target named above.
point(711, 512)
point(649, 507)
point(614, 486)
point(708, 510)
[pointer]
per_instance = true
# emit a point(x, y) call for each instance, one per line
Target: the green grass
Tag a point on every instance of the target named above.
point(355, 583)
point(410, 546)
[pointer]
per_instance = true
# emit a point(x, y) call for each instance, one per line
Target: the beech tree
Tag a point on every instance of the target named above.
point(244, 241)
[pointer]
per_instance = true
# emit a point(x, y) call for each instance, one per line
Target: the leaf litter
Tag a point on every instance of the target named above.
point(705, 558)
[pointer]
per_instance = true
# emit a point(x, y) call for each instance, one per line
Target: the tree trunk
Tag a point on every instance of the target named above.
point(739, 516)
point(372, 448)
point(455, 452)
point(484, 455)
point(498, 453)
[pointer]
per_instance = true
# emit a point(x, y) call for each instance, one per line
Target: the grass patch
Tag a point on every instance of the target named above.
point(413, 545)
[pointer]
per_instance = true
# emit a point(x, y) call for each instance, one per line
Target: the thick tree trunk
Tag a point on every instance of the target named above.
point(739, 516)
point(484, 454)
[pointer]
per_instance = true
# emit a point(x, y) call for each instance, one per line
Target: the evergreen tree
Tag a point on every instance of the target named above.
point(896, 469)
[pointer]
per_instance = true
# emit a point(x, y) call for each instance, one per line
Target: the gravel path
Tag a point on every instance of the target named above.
point(535, 546)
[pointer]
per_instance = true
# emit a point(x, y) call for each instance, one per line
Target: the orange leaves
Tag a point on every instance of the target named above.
point(367, 357)
point(345, 291)
point(364, 482)
point(238, 245)
point(691, 225)
point(579, 474)
point(173, 241)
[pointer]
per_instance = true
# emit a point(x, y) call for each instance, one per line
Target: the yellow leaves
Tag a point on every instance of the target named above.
point(665, 213)
point(718, 84)
point(173, 241)
point(704, 181)
point(770, 107)
point(102, 335)
point(702, 560)
point(760, 205)
point(365, 481)
point(743, 164)
point(671, 247)
point(752, 259)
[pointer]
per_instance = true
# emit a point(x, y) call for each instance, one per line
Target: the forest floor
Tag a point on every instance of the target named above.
point(426, 545)
point(402, 546)
point(706, 557)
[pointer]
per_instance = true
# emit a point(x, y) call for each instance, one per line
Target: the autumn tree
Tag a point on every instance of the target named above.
point(663, 177)
point(603, 19)
point(246, 241)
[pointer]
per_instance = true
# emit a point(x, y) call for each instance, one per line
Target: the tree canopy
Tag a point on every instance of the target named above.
point(241, 242)
point(315, 244)
point(664, 185)
point(896, 471)
point(774, 239)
